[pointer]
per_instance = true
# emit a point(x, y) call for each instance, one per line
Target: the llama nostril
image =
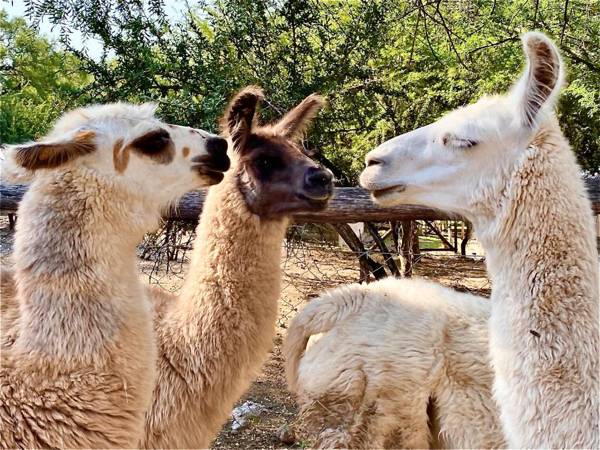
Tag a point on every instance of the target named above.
point(318, 185)
point(374, 162)
point(216, 145)
point(317, 178)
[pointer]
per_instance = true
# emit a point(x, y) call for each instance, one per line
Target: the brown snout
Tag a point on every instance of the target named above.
point(318, 183)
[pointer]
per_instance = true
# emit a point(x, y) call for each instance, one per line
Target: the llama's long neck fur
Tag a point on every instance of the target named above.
point(217, 334)
point(236, 252)
point(75, 266)
point(544, 338)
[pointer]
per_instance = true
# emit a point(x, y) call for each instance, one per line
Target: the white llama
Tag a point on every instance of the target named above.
point(504, 163)
point(77, 345)
point(399, 363)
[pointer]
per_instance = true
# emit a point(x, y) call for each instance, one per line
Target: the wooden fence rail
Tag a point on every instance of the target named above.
point(349, 204)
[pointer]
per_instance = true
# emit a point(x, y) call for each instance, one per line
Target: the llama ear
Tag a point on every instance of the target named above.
point(294, 124)
point(239, 117)
point(542, 79)
point(52, 153)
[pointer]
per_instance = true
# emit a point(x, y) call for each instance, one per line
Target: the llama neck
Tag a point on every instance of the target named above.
point(75, 265)
point(540, 244)
point(217, 333)
point(544, 337)
point(235, 251)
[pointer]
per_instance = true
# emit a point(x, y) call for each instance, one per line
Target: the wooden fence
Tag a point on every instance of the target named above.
point(348, 205)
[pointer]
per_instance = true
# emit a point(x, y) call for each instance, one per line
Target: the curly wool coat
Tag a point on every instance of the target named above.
point(399, 363)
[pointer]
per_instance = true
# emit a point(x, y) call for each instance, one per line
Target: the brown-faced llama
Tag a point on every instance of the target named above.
point(214, 336)
point(77, 346)
point(504, 163)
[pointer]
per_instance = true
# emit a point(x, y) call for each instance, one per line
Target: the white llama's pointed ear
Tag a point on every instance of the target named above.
point(239, 118)
point(294, 124)
point(541, 80)
point(51, 153)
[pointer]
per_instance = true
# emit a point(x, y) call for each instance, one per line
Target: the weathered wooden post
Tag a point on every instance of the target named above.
point(407, 250)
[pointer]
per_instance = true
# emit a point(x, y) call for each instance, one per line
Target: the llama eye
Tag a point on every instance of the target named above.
point(466, 143)
point(264, 163)
point(455, 142)
point(153, 142)
point(265, 166)
point(268, 163)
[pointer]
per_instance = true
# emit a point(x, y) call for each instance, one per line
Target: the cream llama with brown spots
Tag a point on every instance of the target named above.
point(77, 345)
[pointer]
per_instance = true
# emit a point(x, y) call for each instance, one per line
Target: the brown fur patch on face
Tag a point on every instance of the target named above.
point(50, 155)
point(272, 176)
point(165, 156)
point(120, 156)
point(156, 145)
point(185, 151)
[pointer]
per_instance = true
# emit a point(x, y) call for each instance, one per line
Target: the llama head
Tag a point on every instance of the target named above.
point(127, 146)
point(275, 175)
point(447, 163)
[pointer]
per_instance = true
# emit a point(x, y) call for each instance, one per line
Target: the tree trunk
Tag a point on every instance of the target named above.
point(407, 250)
point(12, 221)
point(387, 256)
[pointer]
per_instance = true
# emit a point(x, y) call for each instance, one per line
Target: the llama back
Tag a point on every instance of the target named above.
point(415, 312)
point(378, 355)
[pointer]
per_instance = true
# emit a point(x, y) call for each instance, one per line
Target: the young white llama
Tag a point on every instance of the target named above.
point(77, 346)
point(504, 163)
point(400, 363)
point(214, 336)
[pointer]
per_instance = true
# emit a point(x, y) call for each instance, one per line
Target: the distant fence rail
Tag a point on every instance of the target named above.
point(348, 205)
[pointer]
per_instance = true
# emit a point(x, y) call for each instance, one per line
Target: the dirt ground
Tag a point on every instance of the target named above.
point(308, 270)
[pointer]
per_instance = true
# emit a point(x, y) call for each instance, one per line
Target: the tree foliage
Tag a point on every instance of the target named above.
point(38, 81)
point(386, 66)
